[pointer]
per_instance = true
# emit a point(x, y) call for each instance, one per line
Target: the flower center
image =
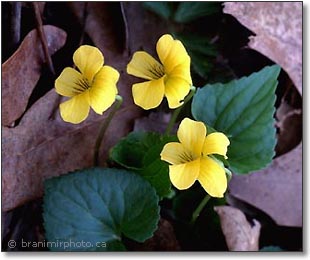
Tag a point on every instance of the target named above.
point(157, 71)
point(186, 157)
point(81, 85)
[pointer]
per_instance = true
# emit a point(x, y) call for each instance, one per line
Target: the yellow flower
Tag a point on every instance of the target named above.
point(190, 159)
point(170, 78)
point(94, 85)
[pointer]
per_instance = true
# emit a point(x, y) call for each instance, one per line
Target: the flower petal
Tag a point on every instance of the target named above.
point(176, 89)
point(171, 52)
point(148, 94)
point(89, 60)
point(67, 84)
point(76, 109)
point(212, 178)
point(182, 71)
point(192, 135)
point(216, 143)
point(143, 65)
point(103, 90)
point(175, 153)
point(184, 175)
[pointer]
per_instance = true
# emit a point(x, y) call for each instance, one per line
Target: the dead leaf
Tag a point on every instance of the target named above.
point(276, 190)
point(278, 29)
point(143, 28)
point(289, 124)
point(42, 146)
point(22, 70)
point(100, 25)
point(239, 234)
point(154, 122)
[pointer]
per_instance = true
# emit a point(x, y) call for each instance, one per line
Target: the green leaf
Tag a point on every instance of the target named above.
point(197, 43)
point(242, 109)
point(189, 11)
point(163, 9)
point(140, 152)
point(201, 52)
point(98, 206)
point(202, 65)
point(129, 151)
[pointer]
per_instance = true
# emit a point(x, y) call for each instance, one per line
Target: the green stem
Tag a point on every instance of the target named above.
point(177, 111)
point(200, 207)
point(104, 126)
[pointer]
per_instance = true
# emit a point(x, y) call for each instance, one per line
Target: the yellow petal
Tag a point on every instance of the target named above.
point(148, 94)
point(176, 89)
point(76, 109)
point(212, 178)
point(175, 153)
point(184, 175)
point(171, 52)
point(144, 66)
point(103, 90)
point(89, 60)
point(182, 71)
point(67, 84)
point(192, 135)
point(216, 143)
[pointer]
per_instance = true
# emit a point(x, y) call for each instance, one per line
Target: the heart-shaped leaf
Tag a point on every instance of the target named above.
point(242, 109)
point(98, 206)
point(140, 152)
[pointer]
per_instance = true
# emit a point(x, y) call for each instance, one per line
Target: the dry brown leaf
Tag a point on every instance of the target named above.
point(155, 121)
point(22, 70)
point(100, 26)
point(278, 29)
point(239, 234)
point(276, 190)
point(289, 124)
point(43, 146)
point(142, 27)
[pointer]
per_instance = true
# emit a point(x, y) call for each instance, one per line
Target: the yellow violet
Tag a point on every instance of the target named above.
point(94, 85)
point(190, 158)
point(171, 78)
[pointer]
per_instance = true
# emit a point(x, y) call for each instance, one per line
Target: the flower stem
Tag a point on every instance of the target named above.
point(200, 207)
point(104, 126)
point(177, 111)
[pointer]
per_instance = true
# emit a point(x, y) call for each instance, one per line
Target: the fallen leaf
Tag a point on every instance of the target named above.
point(276, 190)
point(289, 124)
point(141, 28)
point(278, 29)
point(101, 26)
point(22, 70)
point(154, 122)
point(239, 234)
